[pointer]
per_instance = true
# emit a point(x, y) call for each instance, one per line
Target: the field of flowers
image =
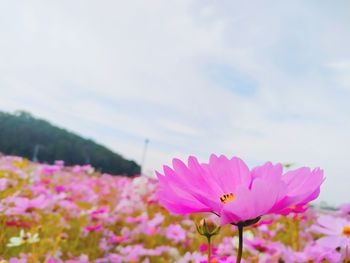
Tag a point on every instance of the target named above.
point(53, 213)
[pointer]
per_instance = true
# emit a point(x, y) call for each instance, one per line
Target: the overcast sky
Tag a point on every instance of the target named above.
point(263, 80)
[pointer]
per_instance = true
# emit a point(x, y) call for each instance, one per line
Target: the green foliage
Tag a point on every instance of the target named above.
point(22, 134)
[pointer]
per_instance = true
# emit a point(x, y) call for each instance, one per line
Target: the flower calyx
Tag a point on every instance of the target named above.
point(247, 222)
point(207, 228)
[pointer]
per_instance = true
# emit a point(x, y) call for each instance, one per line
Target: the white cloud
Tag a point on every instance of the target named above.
point(120, 72)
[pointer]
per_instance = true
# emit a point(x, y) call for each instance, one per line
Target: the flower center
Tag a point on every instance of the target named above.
point(346, 231)
point(227, 197)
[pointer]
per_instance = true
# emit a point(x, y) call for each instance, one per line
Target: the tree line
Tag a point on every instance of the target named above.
point(24, 135)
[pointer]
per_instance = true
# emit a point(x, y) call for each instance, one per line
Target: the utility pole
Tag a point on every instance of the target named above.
point(36, 152)
point(144, 155)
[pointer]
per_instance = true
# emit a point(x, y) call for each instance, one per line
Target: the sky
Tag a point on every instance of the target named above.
point(262, 80)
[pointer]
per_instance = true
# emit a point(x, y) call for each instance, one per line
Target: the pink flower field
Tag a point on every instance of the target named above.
point(54, 213)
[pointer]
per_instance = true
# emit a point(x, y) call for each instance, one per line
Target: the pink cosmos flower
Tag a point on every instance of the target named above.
point(59, 163)
point(176, 233)
point(204, 248)
point(225, 247)
point(336, 231)
point(82, 168)
point(192, 257)
point(50, 169)
point(315, 253)
point(229, 189)
point(93, 228)
point(24, 205)
point(259, 245)
point(113, 239)
point(60, 188)
point(4, 182)
point(139, 219)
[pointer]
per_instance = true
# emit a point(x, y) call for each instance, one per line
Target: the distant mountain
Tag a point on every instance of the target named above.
point(23, 135)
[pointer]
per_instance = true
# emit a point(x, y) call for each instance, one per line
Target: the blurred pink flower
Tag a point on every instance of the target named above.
point(60, 188)
point(336, 231)
point(4, 182)
point(93, 228)
point(225, 247)
point(192, 257)
point(175, 232)
point(138, 219)
point(18, 223)
point(151, 227)
point(229, 189)
point(115, 239)
point(317, 254)
point(59, 162)
point(82, 168)
point(50, 169)
point(260, 245)
point(24, 205)
point(344, 209)
point(204, 248)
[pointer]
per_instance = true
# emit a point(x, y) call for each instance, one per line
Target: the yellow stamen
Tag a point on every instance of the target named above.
point(227, 197)
point(346, 231)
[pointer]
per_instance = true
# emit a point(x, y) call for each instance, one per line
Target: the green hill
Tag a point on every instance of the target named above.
point(23, 135)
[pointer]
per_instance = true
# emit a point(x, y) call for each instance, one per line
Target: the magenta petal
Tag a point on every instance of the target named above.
point(188, 185)
point(266, 194)
point(303, 186)
point(228, 218)
point(250, 204)
point(228, 173)
point(203, 181)
point(195, 178)
point(241, 208)
point(177, 200)
point(303, 181)
point(268, 171)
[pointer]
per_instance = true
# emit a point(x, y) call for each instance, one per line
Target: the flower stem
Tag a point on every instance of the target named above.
point(240, 244)
point(209, 249)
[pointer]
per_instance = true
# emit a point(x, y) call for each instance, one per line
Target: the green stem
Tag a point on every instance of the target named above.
point(240, 244)
point(209, 249)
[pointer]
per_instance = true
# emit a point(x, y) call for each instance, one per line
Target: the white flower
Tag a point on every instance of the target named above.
point(15, 242)
point(174, 252)
point(23, 238)
point(33, 238)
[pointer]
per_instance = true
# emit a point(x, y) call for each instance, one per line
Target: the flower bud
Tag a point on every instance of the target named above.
point(207, 228)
